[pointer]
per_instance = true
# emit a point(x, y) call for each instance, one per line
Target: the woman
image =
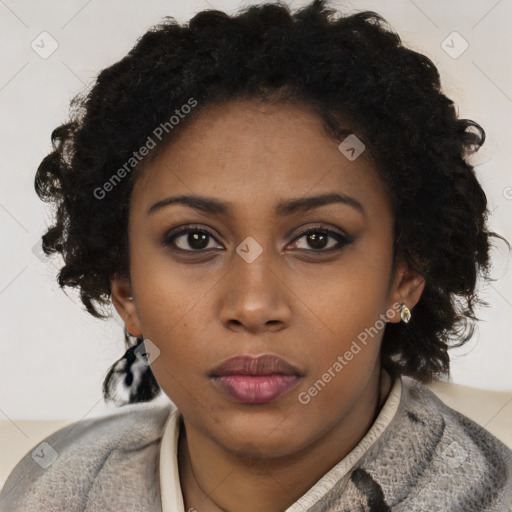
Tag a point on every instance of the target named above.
point(281, 209)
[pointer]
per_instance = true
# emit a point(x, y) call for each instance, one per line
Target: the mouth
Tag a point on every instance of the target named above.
point(255, 380)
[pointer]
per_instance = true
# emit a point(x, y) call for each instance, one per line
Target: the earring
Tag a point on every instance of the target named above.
point(130, 298)
point(405, 313)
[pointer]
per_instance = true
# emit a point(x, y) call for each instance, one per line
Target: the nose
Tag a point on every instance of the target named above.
point(254, 297)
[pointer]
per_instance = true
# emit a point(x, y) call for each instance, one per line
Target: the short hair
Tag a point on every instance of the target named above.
point(358, 77)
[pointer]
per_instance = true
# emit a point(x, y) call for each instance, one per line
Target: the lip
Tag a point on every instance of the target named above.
point(255, 380)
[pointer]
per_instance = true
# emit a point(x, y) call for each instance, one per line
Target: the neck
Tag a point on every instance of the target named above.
point(214, 480)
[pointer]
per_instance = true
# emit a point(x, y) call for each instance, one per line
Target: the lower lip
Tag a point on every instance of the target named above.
point(256, 389)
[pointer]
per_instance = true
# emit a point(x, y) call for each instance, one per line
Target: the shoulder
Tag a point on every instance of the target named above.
point(93, 463)
point(453, 416)
point(458, 457)
point(428, 457)
point(420, 405)
point(490, 409)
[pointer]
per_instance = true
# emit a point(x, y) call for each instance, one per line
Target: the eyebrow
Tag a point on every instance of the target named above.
point(283, 208)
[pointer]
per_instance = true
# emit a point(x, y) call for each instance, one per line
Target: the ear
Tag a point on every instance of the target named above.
point(406, 287)
point(124, 302)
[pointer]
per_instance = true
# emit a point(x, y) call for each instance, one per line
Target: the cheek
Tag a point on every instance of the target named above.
point(166, 307)
point(348, 313)
point(167, 292)
point(337, 389)
point(344, 356)
point(182, 363)
point(346, 298)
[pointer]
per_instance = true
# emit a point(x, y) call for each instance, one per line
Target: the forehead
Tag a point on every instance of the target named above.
point(247, 150)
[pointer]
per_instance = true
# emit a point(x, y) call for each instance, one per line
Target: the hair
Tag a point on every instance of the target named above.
point(358, 77)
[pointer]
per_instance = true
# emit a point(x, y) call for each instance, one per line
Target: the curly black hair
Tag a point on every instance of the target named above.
point(346, 67)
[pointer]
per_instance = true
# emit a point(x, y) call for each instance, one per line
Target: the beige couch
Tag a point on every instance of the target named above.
point(491, 409)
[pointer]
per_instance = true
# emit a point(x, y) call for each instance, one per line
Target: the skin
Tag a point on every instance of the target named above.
point(295, 301)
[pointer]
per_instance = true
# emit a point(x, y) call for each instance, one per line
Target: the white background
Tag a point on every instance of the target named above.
point(53, 354)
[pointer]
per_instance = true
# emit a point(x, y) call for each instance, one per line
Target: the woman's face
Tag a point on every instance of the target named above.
point(254, 278)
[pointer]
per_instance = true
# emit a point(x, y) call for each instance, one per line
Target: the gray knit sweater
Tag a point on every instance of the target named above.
point(429, 459)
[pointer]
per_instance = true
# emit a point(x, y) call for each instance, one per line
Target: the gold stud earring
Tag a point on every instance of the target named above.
point(405, 313)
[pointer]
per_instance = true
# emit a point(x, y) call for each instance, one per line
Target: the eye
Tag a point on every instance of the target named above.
point(318, 239)
point(198, 239)
point(189, 239)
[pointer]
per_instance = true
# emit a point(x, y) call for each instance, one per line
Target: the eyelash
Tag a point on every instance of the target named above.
point(343, 240)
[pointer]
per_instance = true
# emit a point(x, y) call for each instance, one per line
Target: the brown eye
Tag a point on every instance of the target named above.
point(189, 239)
point(318, 240)
point(196, 240)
